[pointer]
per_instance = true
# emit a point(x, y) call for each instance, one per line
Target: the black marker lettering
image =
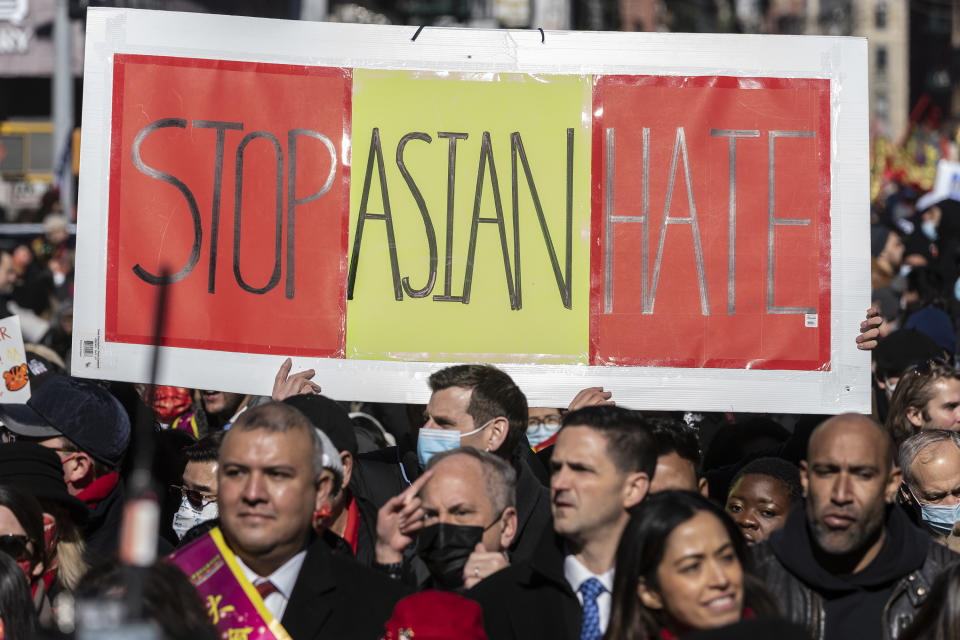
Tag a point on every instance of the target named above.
point(238, 206)
point(451, 179)
point(563, 283)
point(293, 201)
point(221, 128)
point(424, 213)
point(486, 156)
point(141, 166)
point(376, 155)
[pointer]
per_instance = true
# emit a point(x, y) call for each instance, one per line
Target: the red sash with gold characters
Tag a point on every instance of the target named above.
point(231, 600)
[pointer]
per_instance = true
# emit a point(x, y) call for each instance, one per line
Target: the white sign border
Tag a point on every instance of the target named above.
point(846, 387)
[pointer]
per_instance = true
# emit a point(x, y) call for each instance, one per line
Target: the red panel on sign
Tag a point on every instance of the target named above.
point(697, 265)
point(199, 146)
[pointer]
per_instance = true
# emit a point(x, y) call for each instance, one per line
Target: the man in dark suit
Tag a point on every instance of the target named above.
point(476, 406)
point(601, 466)
point(271, 480)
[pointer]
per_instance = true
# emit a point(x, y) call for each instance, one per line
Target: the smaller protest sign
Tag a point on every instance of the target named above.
point(16, 377)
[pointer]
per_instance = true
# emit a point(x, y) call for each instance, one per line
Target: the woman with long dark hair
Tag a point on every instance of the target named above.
point(18, 619)
point(682, 566)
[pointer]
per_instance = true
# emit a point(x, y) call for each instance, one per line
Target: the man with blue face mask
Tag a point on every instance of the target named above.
point(480, 406)
point(930, 461)
point(457, 522)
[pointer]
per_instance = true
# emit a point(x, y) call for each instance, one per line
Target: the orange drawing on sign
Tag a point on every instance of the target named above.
point(17, 377)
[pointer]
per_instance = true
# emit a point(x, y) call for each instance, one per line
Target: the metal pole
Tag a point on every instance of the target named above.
point(63, 105)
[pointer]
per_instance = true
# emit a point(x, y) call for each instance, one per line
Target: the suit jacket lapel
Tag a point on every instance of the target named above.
point(547, 566)
point(311, 602)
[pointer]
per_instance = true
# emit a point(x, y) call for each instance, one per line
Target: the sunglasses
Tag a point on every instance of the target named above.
point(196, 499)
point(927, 367)
point(16, 547)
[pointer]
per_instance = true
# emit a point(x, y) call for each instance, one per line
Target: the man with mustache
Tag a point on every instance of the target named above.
point(264, 569)
point(848, 562)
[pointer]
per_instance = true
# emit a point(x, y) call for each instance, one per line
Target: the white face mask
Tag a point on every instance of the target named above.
point(890, 387)
point(187, 517)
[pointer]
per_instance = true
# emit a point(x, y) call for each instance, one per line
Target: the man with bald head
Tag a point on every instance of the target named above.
point(848, 562)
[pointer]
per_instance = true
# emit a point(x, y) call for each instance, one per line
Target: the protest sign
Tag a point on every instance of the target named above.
point(13, 363)
point(673, 217)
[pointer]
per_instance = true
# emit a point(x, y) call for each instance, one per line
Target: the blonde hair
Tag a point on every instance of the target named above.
point(71, 565)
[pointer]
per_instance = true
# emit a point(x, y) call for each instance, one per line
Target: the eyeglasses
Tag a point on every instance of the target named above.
point(15, 546)
point(196, 499)
point(551, 420)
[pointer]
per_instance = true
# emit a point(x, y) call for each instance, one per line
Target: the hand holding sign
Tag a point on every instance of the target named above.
point(870, 330)
point(590, 397)
point(298, 383)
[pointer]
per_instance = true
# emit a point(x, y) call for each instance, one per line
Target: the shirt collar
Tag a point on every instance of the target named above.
point(576, 574)
point(283, 578)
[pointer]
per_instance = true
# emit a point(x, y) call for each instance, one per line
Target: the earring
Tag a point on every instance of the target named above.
point(320, 515)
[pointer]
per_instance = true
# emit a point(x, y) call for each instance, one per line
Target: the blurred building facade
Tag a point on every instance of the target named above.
point(913, 45)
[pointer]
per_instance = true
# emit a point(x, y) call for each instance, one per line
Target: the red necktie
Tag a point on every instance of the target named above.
point(265, 588)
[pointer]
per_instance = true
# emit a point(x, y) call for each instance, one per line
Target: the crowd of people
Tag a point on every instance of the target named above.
point(289, 516)
point(292, 515)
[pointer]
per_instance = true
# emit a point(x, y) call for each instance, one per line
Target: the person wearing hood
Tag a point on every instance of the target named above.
point(848, 562)
point(930, 461)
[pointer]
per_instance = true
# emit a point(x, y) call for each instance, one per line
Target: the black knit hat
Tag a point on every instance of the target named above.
point(329, 417)
point(38, 471)
point(903, 348)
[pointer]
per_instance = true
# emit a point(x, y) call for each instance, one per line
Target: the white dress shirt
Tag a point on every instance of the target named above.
point(283, 579)
point(576, 574)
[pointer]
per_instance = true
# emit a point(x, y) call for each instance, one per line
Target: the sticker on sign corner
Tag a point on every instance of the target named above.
point(88, 343)
point(810, 320)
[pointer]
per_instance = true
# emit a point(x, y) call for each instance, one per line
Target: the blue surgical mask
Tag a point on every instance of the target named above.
point(542, 428)
point(929, 228)
point(430, 442)
point(541, 433)
point(956, 289)
point(940, 517)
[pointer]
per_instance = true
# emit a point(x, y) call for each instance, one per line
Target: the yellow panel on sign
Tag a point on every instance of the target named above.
point(469, 217)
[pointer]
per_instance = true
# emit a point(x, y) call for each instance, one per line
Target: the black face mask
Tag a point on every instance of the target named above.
point(445, 548)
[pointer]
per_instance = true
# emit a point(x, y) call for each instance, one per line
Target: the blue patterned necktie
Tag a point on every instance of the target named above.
point(590, 627)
